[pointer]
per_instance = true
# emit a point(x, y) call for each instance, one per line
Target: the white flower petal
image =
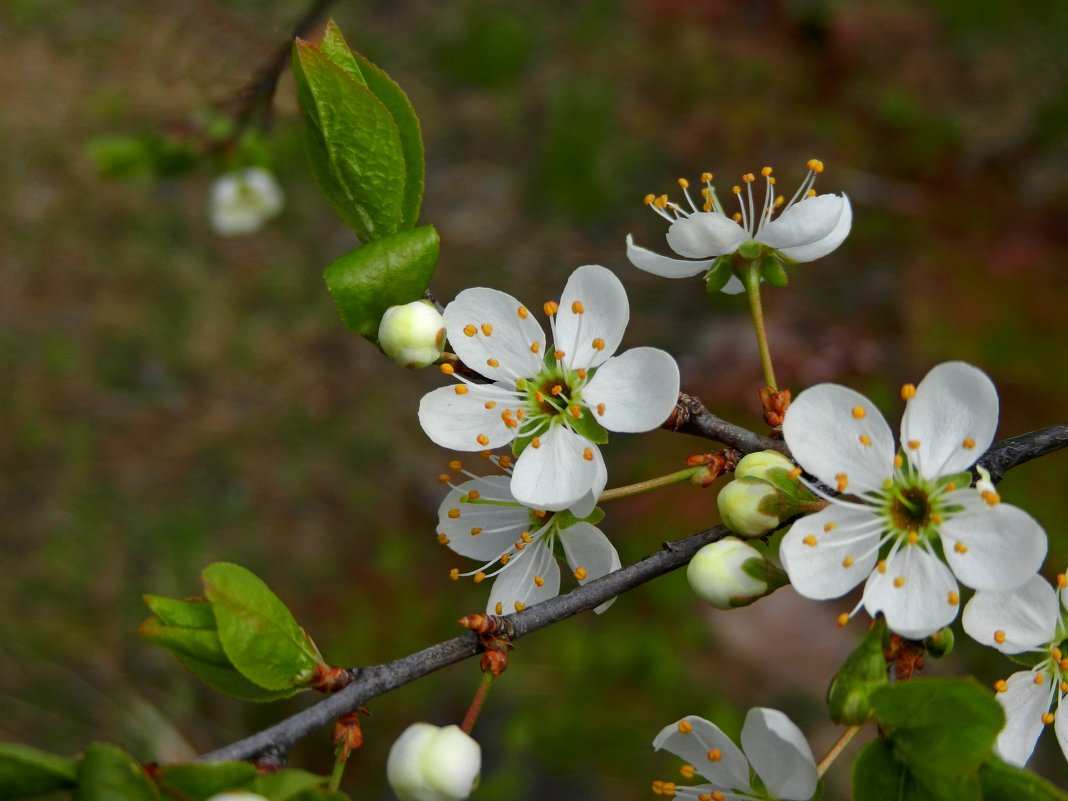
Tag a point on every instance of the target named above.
point(921, 605)
point(478, 310)
point(586, 504)
point(804, 223)
point(639, 390)
point(827, 428)
point(820, 571)
point(1025, 703)
point(517, 582)
point(706, 234)
point(1002, 545)
point(953, 417)
point(556, 474)
point(1026, 617)
point(729, 772)
point(1060, 726)
point(664, 266)
point(829, 243)
point(498, 525)
point(457, 421)
point(780, 754)
point(586, 547)
point(734, 286)
point(604, 316)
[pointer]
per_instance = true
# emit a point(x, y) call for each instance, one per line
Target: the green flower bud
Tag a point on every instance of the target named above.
point(757, 464)
point(731, 573)
point(412, 335)
point(431, 763)
point(743, 506)
point(940, 643)
point(864, 671)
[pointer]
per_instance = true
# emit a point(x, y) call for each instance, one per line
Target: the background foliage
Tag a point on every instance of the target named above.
point(169, 398)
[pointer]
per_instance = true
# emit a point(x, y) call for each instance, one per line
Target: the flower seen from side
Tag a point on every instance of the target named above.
point(553, 404)
point(242, 201)
point(806, 228)
point(913, 526)
point(481, 519)
point(1029, 623)
point(772, 747)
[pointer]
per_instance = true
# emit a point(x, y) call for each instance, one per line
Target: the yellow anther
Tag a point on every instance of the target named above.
point(1062, 580)
point(685, 727)
point(737, 216)
point(842, 620)
point(575, 411)
point(908, 392)
point(950, 486)
point(474, 495)
point(935, 517)
point(487, 329)
point(580, 575)
point(1001, 685)
point(492, 363)
point(960, 547)
point(581, 373)
point(535, 347)
point(668, 788)
point(444, 478)
point(539, 581)
point(898, 460)
point(968, 443)
point(556, 390)
point(684, 183)
point(881, 566)
point(519, 414)
point(810, 541)
point(991, 497)
point(999, 637)
point(1047, 718)
point(460, 389)
point(505, 557)
point(795, 473)
point(499, 608)
point(899, 582)
point(779, 201)
point(658, 787)
point(558, 354)
point(522, 312)
point(687, 771)
point(506, 461)
point(598, 344)
point(953, 598)
point(913, 537)
point(525, 537)
point(476, 531)
point(448, 369)
point(540, 398)
point(470, 330)
point(829, 527)
point(748, 178)
point(443, 538)
point(550, 307)
point(490, 404)
point(1064, 686)
point(587, 454)
point(858, 412)
point(600, 409)
point(482, 439)
point(913, 444)
point(815, 165)
point(648, 199)
point(810, 193)
point(535, 443)
point(479, 577)
point(1039, 678)
point(1063, 663)
point(519, 606)
point(714, 755)
point(454, 574)
point(716, 795)
point(540, 513)
point(662, 201)
point(456, 465)
point(865, 440)
point(771, 180)
point(847, 562)
point(843, 481)
point(706, 177)
point(765, 171)
point(453, 514)
point(736, 190)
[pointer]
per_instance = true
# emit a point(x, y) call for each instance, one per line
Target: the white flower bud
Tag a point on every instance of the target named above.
point(431, 763)
point(412, 335)
point(739, 507)
point(716, 575)
point(244, 200)
point(757, 464)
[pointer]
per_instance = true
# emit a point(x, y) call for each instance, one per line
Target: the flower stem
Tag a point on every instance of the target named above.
point(651, 484)
point(752, 291)
point(341, 757)
point(477, 702)
point(836, 750)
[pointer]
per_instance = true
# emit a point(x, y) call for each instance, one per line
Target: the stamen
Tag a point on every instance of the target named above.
point(865, 440)
point(476, 531)
point(575, 411)
point(448, 369)
point(492, 363)
point(587, 454)
point(960, 547)
point(991, 497)
point(535, 347)
point(519, 606)
point(550, 307)
point(499, 608)
point(539, 581)
point(470, 330)
point(714, 755)
point(460, 389)
point(487, 329)
point(598, 344)
point(687, 771)
point(453, 514)
point(859, 412)
point(489, 404)
point(1047, 718)
point(1001, 686)
point(913, 444)
point(556, 390)
point(999, 637)
point(648, 199)
point(795, 473)
point(454, 574)
point(842, 620)
point(683, 183)
point(908, 392)
point(581, 373)
point(580, 575)
point(881, 567)
point(899, 582)
point(558, 354)
point(456, 465)
point(444, 478)
point(474, 495)
point(953, 598)
point(600, 409)
point(522, 312)
point(535, 443)
point(482, 439)
point(1062, 580)
point(815, 165)
point(525, 537)
point(847, 562)
point(913, 537)
point(829, 527)
point(443, 538)
point(706, 177)
point(898, 460)
point(1039, 678)
point(810, 541)
point(968, 443)
point(843, 481)
point(765, 171)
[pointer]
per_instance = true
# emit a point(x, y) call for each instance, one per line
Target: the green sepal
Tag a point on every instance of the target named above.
point(283, 785)
point(773, 270)
point(1028, 659)
point(26, 771)
point(198, 781)
point(107, 773)
point(586, 426)
point(1003, 782)
point(565, 519)
point(863, 672)
point(353, 144)
point(187, 613)
point(519, 444)
point(960, 480)
point(200, 644)
point(763, 570)
point(228, 681)
point(259, 634)
point(388, 272)
point(750, 251)
point(718, 276)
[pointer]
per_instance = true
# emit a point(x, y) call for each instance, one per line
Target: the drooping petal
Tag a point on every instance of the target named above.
point(482, 530)
point(703, 745)
point(1025, 703)
point(593, 310)
point(487, 326)
point(634, 391)
point(995, 547)
point(589, 554)
point(664, 266)
point(556, 474)
point(840, 437)
point(780, 754)
point(829, 553)
point(462, 422)
point(951, 420)
point(803, 223)
point(829, 243)
point(706, 234)
point(530, 577)
point(1025, 617)
point(923, 601)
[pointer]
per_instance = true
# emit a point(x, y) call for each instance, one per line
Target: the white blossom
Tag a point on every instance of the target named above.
point(432, 763)
point(242, 201)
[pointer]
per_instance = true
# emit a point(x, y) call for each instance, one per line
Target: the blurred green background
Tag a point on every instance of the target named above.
point(170, 398)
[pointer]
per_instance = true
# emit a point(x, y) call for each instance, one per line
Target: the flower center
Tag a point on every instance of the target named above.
point(910, 509)
point(555, 391)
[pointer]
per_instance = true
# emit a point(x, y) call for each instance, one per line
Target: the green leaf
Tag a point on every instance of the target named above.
point(388, 272)
point(353, 144)
point(284, 784)
point(26, 771)
point(1004, 782)
point(878, 776)
point(200, 644)
point(198, 781)
point(334, 48)
point(187, 613)
point(107, 773)
point(258, 633)
point(229, 682)
point(316, 794)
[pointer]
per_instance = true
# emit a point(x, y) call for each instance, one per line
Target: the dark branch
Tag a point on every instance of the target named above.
point(377, 680)
point(691, 417)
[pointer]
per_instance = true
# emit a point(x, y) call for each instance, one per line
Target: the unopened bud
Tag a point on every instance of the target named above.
point(431, 763)
point(742, 507)
point(412, 335)
point(731, 573)
point(864, 671)
point(759, 463)
point(940, 643)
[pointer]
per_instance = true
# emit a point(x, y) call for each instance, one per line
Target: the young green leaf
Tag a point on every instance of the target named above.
point(198, 781)
point(188, 613)
point(107, 773)
point(26, 771)
point(282, 785)
point(1003, 782)
point(380, 274)
point(200, 644)
point(229, 682)
point(335, 49)
point(258, 633)
point(879, 776)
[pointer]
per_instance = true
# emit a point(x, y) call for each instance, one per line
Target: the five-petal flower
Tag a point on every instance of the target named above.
point(808, 227)
point(911, 511)
point(553, 405)
point(774, 748)
point(1028, 620)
